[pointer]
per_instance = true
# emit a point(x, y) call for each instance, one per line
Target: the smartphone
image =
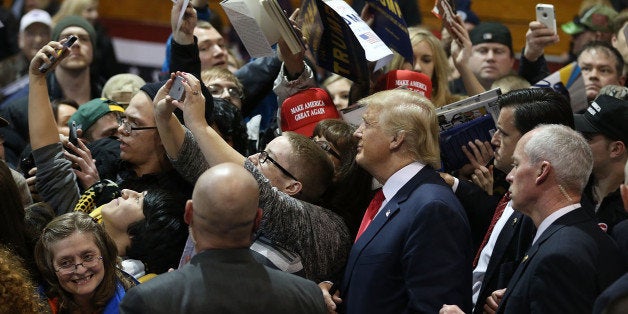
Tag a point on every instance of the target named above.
point(27, 163)
point(73, 135)
point(545, 15)
point(177, 91)
point(55, 57)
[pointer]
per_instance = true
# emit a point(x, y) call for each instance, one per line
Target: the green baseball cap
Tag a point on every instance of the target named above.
point(89, 112)
point(596, 18)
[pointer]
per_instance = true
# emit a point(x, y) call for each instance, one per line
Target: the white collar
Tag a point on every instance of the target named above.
point(553, 217)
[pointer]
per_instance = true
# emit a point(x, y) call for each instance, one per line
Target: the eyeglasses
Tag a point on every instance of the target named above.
point(127, 127)
point(326, 146)
point(263, 156)
point(68, 267)
point(217, 91)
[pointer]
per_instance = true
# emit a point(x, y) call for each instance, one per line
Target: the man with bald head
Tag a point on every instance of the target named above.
point(224, 277)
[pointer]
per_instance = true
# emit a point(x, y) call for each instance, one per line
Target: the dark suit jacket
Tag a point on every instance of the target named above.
point(415, 255)
point(479, 208)
point(512, 243)
point(224, 281)
point(571, 263)
point(619, 289)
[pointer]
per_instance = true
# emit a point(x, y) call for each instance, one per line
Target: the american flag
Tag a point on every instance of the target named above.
point(370, 37)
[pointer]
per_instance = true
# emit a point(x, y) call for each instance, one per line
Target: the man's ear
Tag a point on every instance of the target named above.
point(189, 212)
point(397, 140)
point(293, 188)
point(618, 149)
point(543, 172)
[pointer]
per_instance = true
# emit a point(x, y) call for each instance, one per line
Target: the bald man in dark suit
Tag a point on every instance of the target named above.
point(223, 277)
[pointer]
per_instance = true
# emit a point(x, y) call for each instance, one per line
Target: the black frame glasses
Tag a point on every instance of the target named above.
point(326, 146)
point(127, 128)
point(263, 156)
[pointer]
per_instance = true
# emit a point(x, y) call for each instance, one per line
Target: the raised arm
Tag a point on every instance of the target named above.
point(43, 128)
point(170, 129)
point(460, 52)
point(172, 133)
point(533, 66)
point(56, 181)
point(295, 75)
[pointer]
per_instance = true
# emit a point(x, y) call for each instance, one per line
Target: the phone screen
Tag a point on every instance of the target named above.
point(73, 135)
point(177, 90)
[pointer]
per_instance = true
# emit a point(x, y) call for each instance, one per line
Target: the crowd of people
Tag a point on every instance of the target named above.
point(252, 194)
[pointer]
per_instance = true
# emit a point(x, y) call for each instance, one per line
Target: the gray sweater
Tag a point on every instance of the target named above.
point(56, 182)
point(317, 234)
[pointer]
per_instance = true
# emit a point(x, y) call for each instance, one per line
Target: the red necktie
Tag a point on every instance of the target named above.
point(499, 210)
point(371, 211)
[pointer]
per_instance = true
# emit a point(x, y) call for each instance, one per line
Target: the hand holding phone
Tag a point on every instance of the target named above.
point(73, 134)
point(545, 15)
point(54, 58)
point(177, 91)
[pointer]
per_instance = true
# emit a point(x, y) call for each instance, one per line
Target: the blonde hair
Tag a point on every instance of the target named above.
point(406, 111)
point(204, 25)
point(334, 78)
point(71, 7)
point(220, 73)
point(510, 82)
point(440, 86)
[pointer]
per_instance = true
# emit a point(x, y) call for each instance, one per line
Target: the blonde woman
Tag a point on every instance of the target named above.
point(430, 59)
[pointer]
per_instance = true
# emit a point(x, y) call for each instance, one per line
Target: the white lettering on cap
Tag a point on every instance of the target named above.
point(296, 109)
point(301, 116)
point(594, 108)
point(487, 36)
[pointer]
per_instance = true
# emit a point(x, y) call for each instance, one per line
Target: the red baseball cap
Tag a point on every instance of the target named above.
point(302, 111)
point(411, 80)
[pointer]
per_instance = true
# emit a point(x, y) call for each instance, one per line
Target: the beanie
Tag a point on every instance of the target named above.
point(74, 20)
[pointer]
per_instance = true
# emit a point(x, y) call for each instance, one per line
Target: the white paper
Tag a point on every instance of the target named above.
point(183, 8)
point(253, 25)
point(375, 50)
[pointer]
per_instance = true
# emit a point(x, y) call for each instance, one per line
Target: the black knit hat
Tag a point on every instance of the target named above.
point(491, 32)
point(74, 20)
point(151, 89)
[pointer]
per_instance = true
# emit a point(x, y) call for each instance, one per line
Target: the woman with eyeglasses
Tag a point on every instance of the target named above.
point(78, 260)
point(151, 231)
